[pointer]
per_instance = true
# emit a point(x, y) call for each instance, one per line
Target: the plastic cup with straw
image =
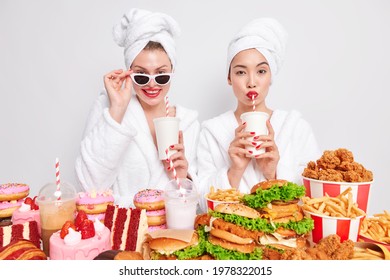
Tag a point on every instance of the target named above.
point(57, 204)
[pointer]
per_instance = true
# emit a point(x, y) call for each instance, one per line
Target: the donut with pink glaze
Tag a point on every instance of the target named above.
point(93, 202)
point(149, 199)
point(154, 228)
point(156, 217)
point(7, 208)
point(13, 191)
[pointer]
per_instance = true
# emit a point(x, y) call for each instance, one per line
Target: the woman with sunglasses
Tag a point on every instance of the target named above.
point(119, 147)
point(255, 56)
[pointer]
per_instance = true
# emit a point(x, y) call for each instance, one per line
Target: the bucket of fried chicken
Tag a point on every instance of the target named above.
point(335, 172)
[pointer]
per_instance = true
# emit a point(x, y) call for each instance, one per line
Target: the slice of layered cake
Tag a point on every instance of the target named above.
point(28, 231)
point(128, 227)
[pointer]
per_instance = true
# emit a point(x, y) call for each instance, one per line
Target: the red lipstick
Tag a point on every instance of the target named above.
point(252, 94)
point(151, 92)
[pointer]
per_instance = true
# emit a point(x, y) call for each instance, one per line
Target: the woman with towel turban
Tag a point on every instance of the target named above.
point(119, 146)
point(255, 56)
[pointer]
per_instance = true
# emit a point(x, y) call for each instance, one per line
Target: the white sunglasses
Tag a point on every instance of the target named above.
point(144, 79)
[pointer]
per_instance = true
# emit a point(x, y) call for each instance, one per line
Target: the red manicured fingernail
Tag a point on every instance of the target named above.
point(244, 123)
point(169, 168)
point(256, 137)
point(167, 160)
point(258, 147)
point(254, 143)
point(253, 133)
point(171, 146)
point(250, 152)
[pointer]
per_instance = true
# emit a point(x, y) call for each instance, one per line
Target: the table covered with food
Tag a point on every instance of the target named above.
point(323, 218)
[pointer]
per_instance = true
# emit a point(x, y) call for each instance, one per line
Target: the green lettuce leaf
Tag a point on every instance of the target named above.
point(301, 227)
point(194, 250)
point(220, 253)
point(262, 197)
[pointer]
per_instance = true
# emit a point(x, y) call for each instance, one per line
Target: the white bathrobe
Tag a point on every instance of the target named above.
point(293, 136)
point(123, 156)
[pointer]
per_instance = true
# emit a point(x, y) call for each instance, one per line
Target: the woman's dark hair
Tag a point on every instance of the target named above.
point(151, 46)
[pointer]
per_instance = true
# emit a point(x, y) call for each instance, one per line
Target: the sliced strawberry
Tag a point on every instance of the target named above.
point(34, 205)
point(28, 200)
point(81, 216)
point(87, 229)
point(65, 228)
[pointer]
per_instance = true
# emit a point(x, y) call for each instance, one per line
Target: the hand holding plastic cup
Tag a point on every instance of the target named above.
point(167, 134)
point(55, 210)
point(255, 122)
point(181, 204)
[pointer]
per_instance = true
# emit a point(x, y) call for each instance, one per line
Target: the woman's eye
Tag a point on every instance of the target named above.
point(240, 73)
point(262, 71)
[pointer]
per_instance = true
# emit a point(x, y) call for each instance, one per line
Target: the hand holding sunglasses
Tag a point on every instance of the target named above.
point(144, 79)
point(118, 87)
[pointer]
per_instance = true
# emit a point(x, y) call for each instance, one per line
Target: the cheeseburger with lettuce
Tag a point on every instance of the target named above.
point(277, 203)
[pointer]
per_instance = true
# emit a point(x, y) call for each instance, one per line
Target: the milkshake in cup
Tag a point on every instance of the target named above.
point(167, 134)
point(255, 122)
point(181, 204)
point(55, 207)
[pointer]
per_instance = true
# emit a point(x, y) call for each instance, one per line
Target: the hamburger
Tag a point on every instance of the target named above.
point(226, 236)
point(277, 202)
point(170, 247)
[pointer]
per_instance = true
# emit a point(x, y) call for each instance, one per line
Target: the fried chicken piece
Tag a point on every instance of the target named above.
point(316, 254)
point(345, 251)
point(330, 175)
point(352, 176)
point(344, 155)
point(295, 254)
point(367, 176)
point(328, 160)
point(202, 220)
point(329, 244)
point(311, 171)
point(334, 248)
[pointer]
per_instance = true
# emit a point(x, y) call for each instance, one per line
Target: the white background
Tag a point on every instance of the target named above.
point(53, 55)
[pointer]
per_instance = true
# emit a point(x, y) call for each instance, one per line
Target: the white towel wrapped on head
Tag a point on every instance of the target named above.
point(266, 35)
point(137, 27)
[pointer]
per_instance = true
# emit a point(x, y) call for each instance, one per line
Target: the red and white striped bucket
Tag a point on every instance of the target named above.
point(346, 228)
point(211, 204)
point(360, 190)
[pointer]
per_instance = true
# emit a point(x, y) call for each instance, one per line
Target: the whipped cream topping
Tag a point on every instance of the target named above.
point(73, 237)
point(24, 207)
point(98, 225)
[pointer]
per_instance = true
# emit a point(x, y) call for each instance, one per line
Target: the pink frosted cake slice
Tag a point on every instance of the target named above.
point(26, 213)
point(81, 249)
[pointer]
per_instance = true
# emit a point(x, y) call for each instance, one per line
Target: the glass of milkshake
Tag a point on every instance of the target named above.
point(181, 204)
point(55, 207)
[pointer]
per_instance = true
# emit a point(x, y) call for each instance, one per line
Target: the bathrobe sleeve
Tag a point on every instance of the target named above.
point(212, 167)
point(296, 150)
point(102, 148)
point(191, 140)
